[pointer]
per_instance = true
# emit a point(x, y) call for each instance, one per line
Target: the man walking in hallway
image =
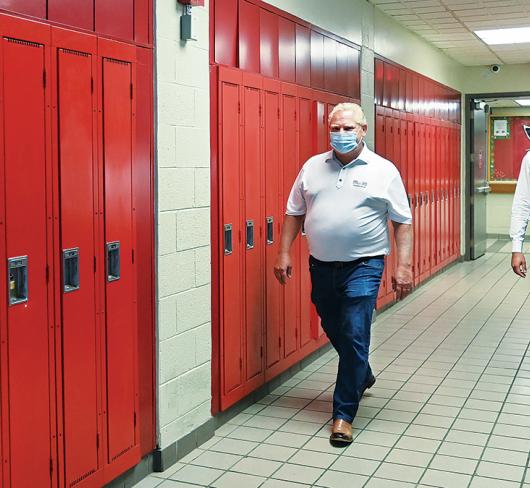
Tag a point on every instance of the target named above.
point(344, 199)
point(520, 215)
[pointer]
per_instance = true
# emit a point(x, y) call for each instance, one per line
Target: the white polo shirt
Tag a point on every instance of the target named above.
point(347, 207)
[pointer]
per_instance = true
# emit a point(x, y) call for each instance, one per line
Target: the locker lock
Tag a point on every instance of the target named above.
point(113, 261)
point(250, 234)
point(70, 269)
point(17, 280)
point(270, 230)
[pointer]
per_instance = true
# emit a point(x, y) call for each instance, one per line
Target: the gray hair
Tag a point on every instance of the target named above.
point(358, 114)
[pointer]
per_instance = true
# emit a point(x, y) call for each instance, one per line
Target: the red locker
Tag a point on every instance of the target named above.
point(143, 21)
point(307, 328)
point(289, 173)
point(342, 69)
point(115, 18)
point(402, 97)
point(303, 55)
point(231, 229)
point(268, 43)
point(77, 149)
point(273, 217)
point(36, 8)
point(226, 32)
point(320, 125)
point(27, 325)
point(409, 91)
point(81, 15)
point(253, 234)
point(330, 64)
point(380, 148)
point(317, 60)
point(287, 46)
point(144, 205)
point(353, 79)
point(249, 36)
point(118, 138)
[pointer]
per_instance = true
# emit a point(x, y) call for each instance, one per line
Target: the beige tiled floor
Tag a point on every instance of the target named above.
point(451, 406)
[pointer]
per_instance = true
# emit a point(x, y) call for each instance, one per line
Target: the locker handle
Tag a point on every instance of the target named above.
point(228, 239)
point(421, 198)
point(250, 234)
point(113, 261)
point(70, 269)
point(270, 230)
point(17, 280)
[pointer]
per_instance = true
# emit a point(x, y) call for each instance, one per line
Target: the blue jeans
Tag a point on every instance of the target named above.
point(345, 295)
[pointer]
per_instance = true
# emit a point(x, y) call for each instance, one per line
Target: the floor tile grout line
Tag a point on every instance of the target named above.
point(484, 369)
point(423, 332)
point(419, 367)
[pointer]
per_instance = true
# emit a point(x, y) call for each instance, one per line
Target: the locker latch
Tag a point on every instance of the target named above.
point(18, 280)
point(270, 230)
point(113, 261)
point(250, 234)
point(70, 269)
point(228, 239)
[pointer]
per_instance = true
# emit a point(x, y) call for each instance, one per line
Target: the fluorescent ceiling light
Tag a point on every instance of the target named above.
point(524, 102)
point(516, 35)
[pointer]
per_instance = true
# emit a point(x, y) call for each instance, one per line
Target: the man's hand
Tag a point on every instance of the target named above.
point(402, 283)
point(519, 264)
point(283, 268)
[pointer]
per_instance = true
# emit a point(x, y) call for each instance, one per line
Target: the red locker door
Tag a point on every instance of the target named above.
point(226, 32)
point(287, 47)
point(115, 18)
point(273, 216)
point(303, 55)
point(436, 200)
point(411, 187)
point(330, 64)
point(289, 173)
point(120, 332)
point(317, 60)
point(305, 152)
point(253, 216)
point(428, 238)
point(81, 15)
point(434, 148)
point(380, 148)
point(268, 43)
point(36, 8)
point(249, 41)
point(321, 127)
point(390, 141)
point(78, 176)
point(230, 238)
point(26, 325)
point(419, 161)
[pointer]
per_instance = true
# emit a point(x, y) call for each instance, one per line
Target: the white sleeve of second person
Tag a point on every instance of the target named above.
point(521, 206)
point(296, 204)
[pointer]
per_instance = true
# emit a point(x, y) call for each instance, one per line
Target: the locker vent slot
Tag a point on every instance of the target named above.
point(82, 477)
point(121, 453)
point(24, 43)
point(75, 53)
point(116, 61)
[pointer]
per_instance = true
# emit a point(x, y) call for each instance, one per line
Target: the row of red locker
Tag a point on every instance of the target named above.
point(266, 131)
point(127, 20)
point(68, 356)
point(427, 153)
point(257, 37)
point(402, 89)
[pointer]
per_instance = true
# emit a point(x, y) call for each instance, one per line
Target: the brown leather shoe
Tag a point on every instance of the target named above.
point(341, 433)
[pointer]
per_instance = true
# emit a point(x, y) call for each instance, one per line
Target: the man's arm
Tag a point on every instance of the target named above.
point(283, 268)
point(403, 279)
point(519, 221)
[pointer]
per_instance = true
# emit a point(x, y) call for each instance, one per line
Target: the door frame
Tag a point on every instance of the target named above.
point(467, 159)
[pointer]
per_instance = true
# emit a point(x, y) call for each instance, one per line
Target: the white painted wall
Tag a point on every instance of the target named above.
point(183, 198)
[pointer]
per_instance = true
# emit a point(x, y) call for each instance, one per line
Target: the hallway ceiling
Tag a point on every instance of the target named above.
point(450, 26)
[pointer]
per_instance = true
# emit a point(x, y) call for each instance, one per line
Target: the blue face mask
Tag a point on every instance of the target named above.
point(344, 142)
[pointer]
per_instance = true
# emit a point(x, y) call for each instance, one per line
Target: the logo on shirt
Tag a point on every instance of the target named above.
point(360, 184)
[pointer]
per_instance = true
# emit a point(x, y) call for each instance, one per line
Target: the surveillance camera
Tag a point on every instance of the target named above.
point(495, 68)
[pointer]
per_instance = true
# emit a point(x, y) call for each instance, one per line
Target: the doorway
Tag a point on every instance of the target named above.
point(496, 141)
